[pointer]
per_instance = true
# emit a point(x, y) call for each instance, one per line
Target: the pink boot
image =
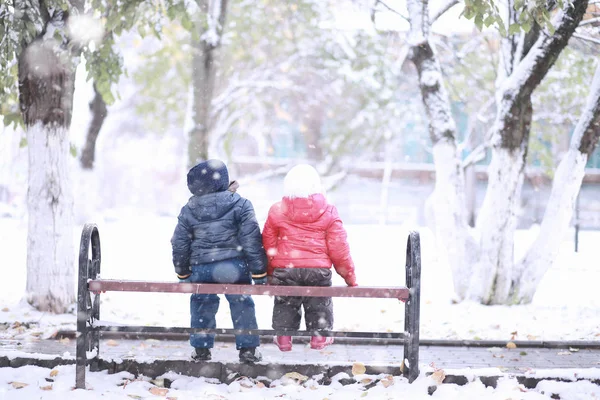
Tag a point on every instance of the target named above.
point(320, 342)
point(283, 342)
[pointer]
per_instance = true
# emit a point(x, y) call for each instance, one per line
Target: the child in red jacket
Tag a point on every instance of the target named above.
point(303, 237)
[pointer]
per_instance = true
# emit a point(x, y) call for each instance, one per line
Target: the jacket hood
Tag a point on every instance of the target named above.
point(208, 177)
point(304, 209)
point(212, 206)
point(302, 181)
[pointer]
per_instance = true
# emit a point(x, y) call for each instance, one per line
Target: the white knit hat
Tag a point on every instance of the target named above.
point(302, 181)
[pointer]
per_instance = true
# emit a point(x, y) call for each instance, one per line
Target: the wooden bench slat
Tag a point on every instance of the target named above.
point(109, 285)
point(261, 332)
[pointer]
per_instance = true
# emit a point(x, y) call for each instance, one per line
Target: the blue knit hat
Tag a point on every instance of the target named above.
point(208, 177)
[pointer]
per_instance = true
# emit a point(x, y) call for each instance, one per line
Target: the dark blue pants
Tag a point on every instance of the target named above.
point(203, 307)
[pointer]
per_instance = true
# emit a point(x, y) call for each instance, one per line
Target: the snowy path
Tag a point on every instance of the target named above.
point(516, 361)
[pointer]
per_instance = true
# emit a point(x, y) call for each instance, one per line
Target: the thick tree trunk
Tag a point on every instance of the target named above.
point(45, 93)
point(559, 211)
point(453, 240)
point(99, 112)
point(205, 44)
point(494, 273)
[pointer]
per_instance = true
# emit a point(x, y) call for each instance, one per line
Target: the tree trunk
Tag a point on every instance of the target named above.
point(46, 86)
point(99, 111)
point(559, 211)
point(453, 240)
point(205, 43)
point(492, 280)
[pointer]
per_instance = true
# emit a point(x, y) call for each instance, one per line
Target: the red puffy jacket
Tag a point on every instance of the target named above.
point(307, 233)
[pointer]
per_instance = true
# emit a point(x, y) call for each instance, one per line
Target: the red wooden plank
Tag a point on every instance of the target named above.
point(109, 285)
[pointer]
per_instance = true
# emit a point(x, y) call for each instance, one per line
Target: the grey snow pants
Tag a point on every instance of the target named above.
point(287, 311)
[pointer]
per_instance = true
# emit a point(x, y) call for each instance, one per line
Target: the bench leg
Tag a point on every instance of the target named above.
point(412, 307)
point(86, 312)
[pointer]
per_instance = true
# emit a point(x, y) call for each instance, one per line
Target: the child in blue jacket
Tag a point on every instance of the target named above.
point(217, 240)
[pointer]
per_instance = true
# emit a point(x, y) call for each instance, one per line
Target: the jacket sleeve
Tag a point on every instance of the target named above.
point(270, 235)
point(339, 250)
point(181, 243)
point(251, 241)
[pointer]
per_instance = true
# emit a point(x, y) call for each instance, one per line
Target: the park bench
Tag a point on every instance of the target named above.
point(90, 287)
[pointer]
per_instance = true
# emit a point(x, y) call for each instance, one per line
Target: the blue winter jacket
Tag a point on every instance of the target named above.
point(217, 226)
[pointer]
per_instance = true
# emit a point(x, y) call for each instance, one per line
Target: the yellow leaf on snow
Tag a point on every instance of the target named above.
point(358, 368)
point(438, 376)
point(159, 391)
point(49, 387)
point(112, 342)
point(387, 381)
point(297, 376)
point(18, 385)
point(511, 345)
point(53, 373)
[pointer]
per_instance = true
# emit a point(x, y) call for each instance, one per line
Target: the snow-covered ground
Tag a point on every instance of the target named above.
point(42, 383)
point(136, 246)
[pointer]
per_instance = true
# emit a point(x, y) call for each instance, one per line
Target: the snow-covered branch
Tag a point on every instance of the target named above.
point(441, 10)
point(377, 2)
point(534, 66)
point(476, 155)
point(587, 38)
point(589, 21)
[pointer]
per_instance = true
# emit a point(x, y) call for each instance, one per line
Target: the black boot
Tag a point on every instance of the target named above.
point(250, 355)
point(201, 354)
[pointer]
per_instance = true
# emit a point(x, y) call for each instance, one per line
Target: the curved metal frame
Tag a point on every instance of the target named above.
point(88, 310)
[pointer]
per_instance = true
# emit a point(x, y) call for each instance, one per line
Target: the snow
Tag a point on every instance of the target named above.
point(41, 383)
point(136, 246)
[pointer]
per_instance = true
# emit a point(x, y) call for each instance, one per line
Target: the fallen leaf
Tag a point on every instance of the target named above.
point(133, 396)
point(366, 381)
point(358, 368)
point(65, 340)
point(158, 391)
point(514, 333)
point(523, 353)
point(387, 381)
point(438, 376)
point(112, 342)
point(171, 398)
point(53, 373)
point(6, 309)
point(498, 355)
point(18, 385)
point(260, 385)
point(511, 345)
point(49, 387)
point(531, 337)
point(297, 376)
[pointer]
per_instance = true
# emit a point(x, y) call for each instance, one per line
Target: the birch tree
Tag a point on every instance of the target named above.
point(206, 40)
point(41, 46)
point(483, 260)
